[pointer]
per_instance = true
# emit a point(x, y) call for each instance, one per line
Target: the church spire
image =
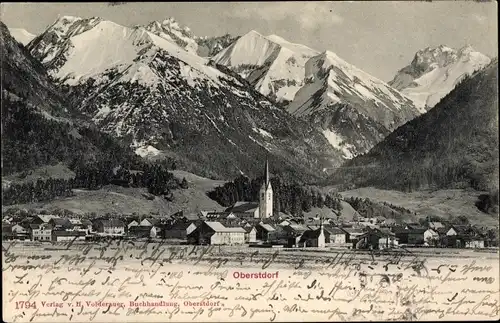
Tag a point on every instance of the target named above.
point(267, 172)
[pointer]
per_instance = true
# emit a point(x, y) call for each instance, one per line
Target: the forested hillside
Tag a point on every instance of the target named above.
point(292, 198)
point(454, 145)
point(40, 128)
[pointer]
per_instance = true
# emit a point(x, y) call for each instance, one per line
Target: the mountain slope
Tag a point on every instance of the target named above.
point(353, 109)
point(183, 37)
point(453, 145)
point(434, 72)
point(163, 99)
point(274, 66)
point(211, 46)
point(38, 127)
point(21, 35)
point(24, 77)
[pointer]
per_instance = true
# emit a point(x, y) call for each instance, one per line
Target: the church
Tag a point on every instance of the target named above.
point(262, 210)
point(266, 196)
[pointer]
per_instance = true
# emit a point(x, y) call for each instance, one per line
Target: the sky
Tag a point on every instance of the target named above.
point(378, 37)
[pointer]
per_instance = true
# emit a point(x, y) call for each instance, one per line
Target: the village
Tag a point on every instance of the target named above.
point(254, 224)
point(238, 227)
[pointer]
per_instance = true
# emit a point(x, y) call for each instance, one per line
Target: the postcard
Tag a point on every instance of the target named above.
point(250, 161)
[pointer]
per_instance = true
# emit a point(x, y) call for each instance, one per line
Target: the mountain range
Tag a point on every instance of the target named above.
point(435, 71)
point(454, 145)
point(163, 99)
point(218, 104)
point(39, 127)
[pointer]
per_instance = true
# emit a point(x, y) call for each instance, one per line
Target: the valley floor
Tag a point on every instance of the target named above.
point(443, 203)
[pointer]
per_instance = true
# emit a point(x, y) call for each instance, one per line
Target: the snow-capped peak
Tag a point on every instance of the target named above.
point(273, 65)
point(434, 72)
point(337, 81)
point(172, 31)
point(353, 109)
point(87, 48)
point(255, 32)
point(466, 50)
point(21, 35)
point(68, 19)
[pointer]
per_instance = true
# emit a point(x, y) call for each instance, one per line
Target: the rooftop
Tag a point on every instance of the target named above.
point(219, 227)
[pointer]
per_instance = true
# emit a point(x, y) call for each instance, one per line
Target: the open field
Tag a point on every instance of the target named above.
point(58, 171)
point(122, 200)
point(443, 203)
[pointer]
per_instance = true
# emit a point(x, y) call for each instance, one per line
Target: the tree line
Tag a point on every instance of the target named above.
point(368, 208)
point(32, 140)
point(155, 177)
point(292, 198)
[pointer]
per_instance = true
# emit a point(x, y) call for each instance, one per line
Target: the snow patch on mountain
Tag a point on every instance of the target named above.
point(263, 132)
point(339, 143)
point(21, 35)
point(434, 72)
point(147, 151)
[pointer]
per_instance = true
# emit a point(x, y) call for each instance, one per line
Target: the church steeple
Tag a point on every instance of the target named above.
point(266, 195)
point(267, 173)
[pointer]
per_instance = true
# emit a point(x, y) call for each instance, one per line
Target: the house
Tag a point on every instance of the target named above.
point(387, 239)
point(352, 233)
point(215, 233)
point(284, 223)
point(62, 235)
point(41, 232)
point(375, 239)
point(143, 231)
point(412, 225)
point(251, 234)
point(60, 224)
point(369, 224)
point(336, 235)
point(134, 223)
point(191, 227)
point(416, 235)
point(227, 218)
point(264, 232)
point(43, 218)
point(80, 225)
point(313, 238)
point(87, 225)
point(19, 229)
point(293, 233)
point(109, 227)
point(475, 242)
point(465, 236)
point(7, 233)
point(245, 209)
point(150, 222)
point(388, 223)
point(431, 237)
point(435, 225)
point(177, 230)
point(19, 232)
point(402, 234)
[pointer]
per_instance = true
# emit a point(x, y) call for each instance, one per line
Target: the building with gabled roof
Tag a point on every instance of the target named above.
point(109, 227)
point(43, 218)
point(215, 233)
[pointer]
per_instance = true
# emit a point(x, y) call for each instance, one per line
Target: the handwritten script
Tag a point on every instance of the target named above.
point(153, 282)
